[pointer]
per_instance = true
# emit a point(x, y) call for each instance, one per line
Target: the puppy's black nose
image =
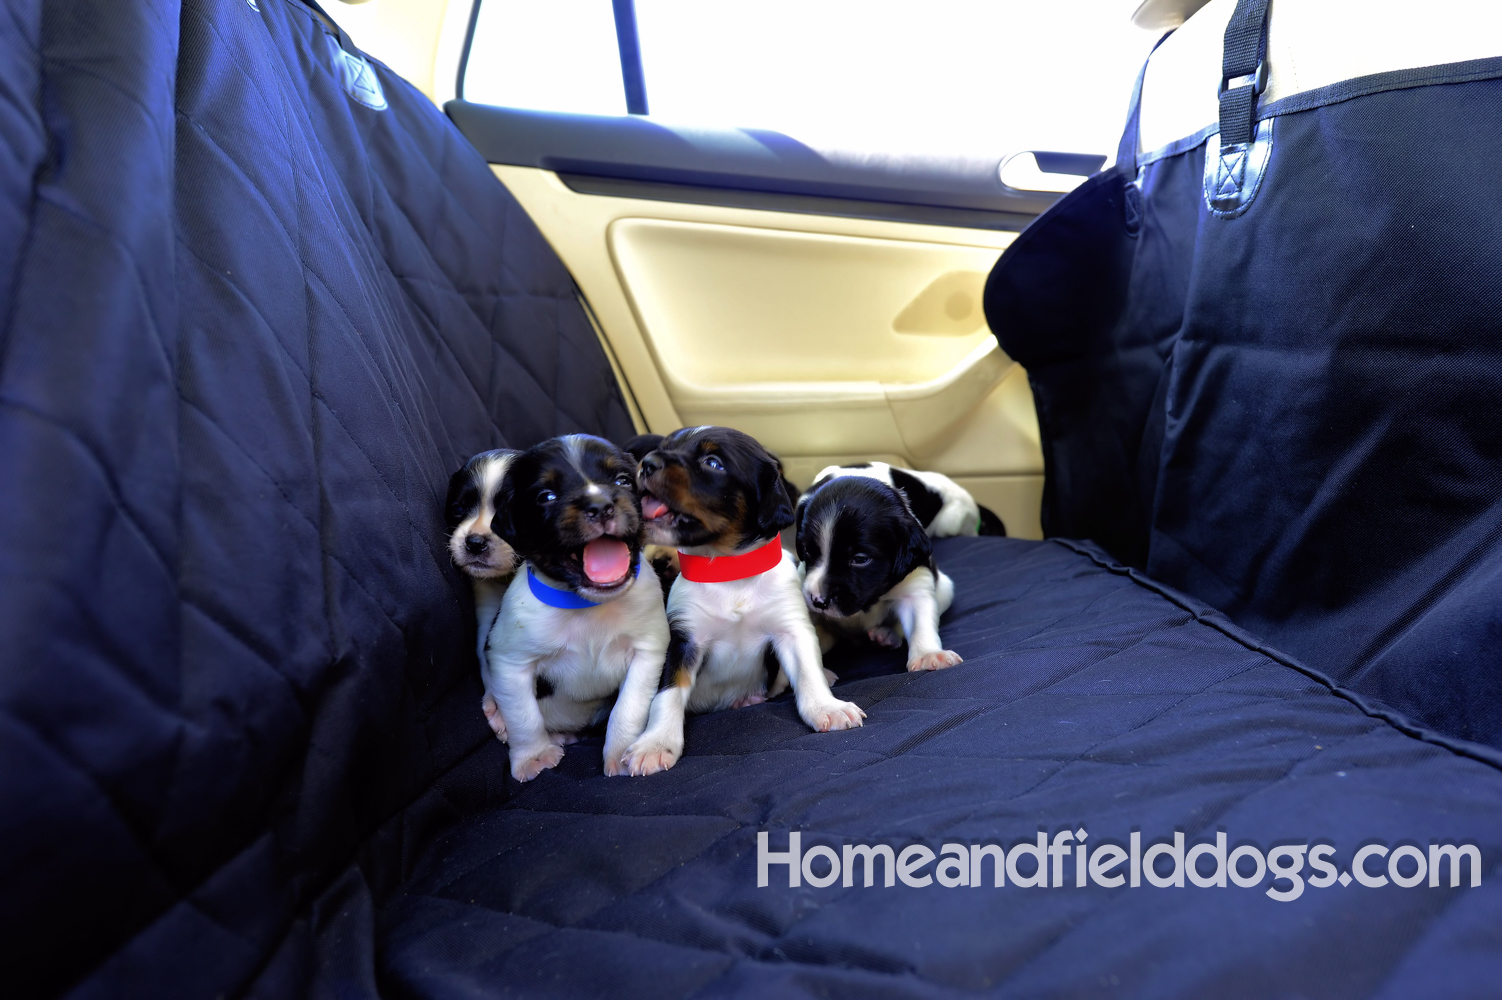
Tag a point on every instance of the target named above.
point(598, 509)
point(819, 602)
point(475, 544)
point(650, 464)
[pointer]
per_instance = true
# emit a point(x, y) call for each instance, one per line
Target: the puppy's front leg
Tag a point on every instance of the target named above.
point(514, 683)
point(918, 610)
point(798, 651)
point(629, 716)
point(661, 745)
point(488, 598)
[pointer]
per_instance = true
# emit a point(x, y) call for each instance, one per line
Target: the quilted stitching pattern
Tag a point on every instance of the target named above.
point(1087, 698)
point(249, 327)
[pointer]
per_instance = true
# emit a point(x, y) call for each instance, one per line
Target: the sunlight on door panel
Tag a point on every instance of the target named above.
point(729, 305)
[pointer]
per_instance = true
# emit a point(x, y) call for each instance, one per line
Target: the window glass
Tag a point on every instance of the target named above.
point(551, 55)
point(948, 77)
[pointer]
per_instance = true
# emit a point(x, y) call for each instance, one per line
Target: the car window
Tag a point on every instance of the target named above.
point(961, 77)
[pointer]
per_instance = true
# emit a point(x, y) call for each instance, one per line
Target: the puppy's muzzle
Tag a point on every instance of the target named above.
point(476, 544)
point(818, 601)
point(600, 514)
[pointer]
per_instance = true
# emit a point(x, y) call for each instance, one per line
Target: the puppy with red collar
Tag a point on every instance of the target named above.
point(478, 551)
point(717, 496)
point(576, 626)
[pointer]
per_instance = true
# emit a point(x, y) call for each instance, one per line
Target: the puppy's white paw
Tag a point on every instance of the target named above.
point(747, 700)
point(527, 768)
point(648, 757)
point(934, 661)
point(563, 739)
point(832, 716)
point(883, 636)
point(493, 716)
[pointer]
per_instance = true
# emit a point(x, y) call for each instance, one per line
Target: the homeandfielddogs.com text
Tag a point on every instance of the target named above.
point(1067, 859)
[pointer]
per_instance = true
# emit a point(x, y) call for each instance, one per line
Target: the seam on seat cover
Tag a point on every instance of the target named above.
point(773, 955)
point(1217, 621)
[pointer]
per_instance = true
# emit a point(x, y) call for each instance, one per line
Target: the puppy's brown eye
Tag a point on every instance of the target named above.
point(860, 560)
point(713, 463)
point(624, 480)
point(546, 497)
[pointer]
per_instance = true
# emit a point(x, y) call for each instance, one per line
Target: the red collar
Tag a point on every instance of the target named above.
point(723, 569)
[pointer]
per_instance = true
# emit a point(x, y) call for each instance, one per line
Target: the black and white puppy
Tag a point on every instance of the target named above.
point(717, 496)
point(868, 565)
point(575, 626)
point(942, 506)
point(478, 551)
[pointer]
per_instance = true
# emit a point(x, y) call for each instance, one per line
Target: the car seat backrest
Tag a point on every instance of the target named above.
point(259, 299)
point(1263, 346)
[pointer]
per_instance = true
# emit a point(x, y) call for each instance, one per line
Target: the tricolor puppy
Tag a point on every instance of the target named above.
point(868, 563)
point(576, 626)
point(662, 558)
point(477, 550)
point(717, 496)
point(941, 505)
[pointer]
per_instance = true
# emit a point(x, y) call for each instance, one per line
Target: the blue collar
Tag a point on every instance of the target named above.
point(556, 597)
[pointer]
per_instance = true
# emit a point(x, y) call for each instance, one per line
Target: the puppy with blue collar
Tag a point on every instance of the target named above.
point(576, 627)
point(718, 497)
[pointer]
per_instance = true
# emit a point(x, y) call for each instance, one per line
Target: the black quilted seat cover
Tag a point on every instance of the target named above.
point(251, 320)
point(1089, 698)
point(249, 327)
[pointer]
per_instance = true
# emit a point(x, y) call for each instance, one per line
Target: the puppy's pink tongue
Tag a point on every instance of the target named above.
point(652, 508)
point(606, 560)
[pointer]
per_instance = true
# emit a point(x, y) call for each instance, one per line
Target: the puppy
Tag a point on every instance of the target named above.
point(942, 506)
point(662, 558)
point(478, 551)
point(717, 496)
point(867, 564)
point(576, 626)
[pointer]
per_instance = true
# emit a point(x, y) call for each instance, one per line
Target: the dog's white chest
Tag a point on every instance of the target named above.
point(734, 623)
point(591, 653)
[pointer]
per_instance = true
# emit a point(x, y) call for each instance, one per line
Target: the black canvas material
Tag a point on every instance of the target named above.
point(1089, 698)
point(1293, 414)
point(250, 326)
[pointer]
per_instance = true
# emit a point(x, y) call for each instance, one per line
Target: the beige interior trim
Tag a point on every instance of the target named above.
point(1311, 44)
point(577, 227)
point(1163, 14)
point(830, 339)
point(632, 409)
point(726, 305)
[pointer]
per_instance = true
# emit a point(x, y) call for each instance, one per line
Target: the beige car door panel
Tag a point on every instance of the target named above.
point(829, 338)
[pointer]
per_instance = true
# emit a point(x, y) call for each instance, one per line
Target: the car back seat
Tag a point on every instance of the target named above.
point(252, 320)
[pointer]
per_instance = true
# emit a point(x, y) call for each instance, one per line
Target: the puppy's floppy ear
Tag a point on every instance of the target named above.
point(503, 524)
point(913, 546)
point(642, 445)
point(452, 513)
point(774, 509)
point(798, 510)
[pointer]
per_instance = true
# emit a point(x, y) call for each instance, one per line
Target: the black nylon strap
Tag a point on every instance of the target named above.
point(1245, 50)
point(1126, 151)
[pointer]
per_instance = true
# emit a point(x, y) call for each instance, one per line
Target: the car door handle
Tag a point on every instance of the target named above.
point(1040, 170)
